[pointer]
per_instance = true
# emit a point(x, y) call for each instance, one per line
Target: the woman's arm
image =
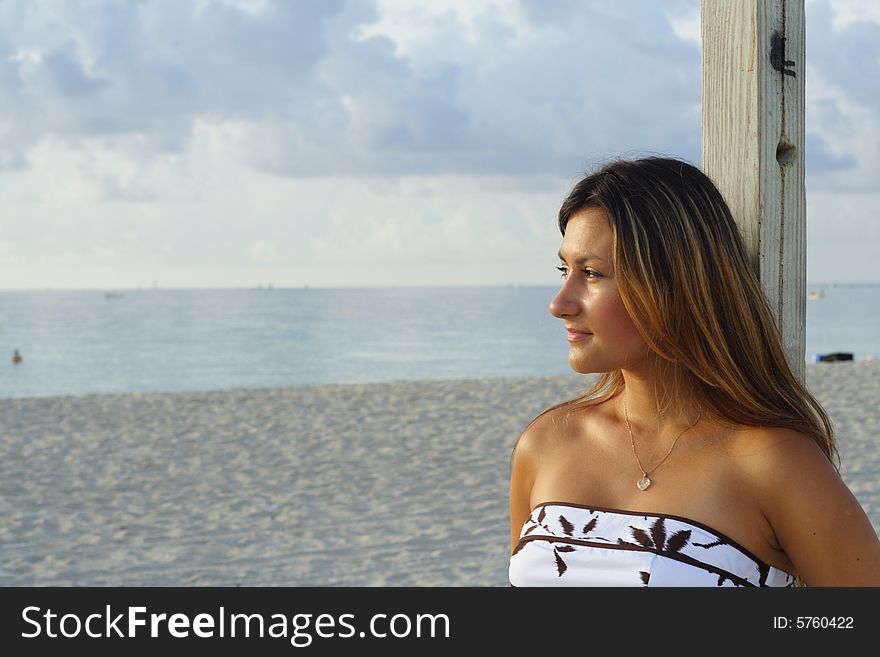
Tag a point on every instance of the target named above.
point(523, 466)
point(817, 520)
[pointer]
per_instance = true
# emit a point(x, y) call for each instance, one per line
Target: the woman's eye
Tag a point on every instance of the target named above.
point(589, 273)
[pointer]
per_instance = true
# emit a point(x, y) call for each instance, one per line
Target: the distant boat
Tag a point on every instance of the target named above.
point(112, 295)
point(815, 295)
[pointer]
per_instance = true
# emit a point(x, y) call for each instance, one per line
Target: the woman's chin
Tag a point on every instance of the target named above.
point(582, 367)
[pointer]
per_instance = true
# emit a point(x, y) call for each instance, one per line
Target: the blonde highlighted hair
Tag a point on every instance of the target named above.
point(687, 283)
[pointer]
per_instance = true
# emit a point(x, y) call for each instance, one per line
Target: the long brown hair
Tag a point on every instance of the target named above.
point(685, 278)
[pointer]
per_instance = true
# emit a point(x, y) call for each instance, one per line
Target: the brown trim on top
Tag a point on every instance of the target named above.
point(634, 547)
point(646, 514)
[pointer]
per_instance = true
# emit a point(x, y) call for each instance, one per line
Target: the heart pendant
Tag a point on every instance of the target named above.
point(643, 483)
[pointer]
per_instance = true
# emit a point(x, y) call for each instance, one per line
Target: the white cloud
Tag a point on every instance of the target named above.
point(685, 22)
point(416, 27)
point(236, 142)
point(843, 111)
point(846, 155)
point(335, 88)
point(847, 12)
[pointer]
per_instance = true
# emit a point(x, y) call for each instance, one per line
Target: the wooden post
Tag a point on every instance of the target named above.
point(753, 69)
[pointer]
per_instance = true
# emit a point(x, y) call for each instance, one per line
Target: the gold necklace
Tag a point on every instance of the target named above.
point(645, 481)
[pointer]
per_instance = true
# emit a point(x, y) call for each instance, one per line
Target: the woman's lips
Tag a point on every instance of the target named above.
point(577, 336)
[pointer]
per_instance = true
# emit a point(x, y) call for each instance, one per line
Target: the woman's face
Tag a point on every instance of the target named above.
point(601, 335)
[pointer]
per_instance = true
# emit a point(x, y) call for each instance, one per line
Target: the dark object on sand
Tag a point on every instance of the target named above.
point(837, 355)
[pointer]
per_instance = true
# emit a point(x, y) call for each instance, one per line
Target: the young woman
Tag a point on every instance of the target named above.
point(697, 458)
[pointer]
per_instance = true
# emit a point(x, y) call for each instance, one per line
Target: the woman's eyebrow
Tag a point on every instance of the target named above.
point(582, 259)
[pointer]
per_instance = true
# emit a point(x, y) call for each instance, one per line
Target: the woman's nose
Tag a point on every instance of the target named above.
point(564, 303)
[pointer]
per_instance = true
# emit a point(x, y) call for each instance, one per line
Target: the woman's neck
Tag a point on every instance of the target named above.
point(659, 404)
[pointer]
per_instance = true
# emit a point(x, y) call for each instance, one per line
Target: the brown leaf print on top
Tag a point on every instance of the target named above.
point(657, 539)
point(658, 533)
point(641, 538)
point(678, 540)
point(560, 564)
point(763, 572)
point(567, 527)
point(542, 514)
point(590, 526)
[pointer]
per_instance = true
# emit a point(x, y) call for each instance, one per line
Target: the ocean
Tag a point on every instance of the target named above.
point(154, 340)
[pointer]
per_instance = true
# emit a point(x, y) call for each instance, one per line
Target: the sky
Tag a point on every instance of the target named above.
point(247, 143)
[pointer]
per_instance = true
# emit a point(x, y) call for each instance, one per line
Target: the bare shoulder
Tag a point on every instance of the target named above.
point(540, 442)
point(777, 449)
point(777, 461)
point(548, 432)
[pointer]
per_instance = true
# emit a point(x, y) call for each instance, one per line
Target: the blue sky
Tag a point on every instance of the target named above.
point(237, 143)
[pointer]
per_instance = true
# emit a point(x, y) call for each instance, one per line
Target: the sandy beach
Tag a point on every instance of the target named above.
point(387, 484)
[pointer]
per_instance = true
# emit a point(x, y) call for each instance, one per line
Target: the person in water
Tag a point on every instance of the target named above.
point(16, 357)
point(698, 458)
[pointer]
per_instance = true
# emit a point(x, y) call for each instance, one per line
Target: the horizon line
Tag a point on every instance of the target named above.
point(306, 286)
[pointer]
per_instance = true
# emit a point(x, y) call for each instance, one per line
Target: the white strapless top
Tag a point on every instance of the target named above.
point(564, 544)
